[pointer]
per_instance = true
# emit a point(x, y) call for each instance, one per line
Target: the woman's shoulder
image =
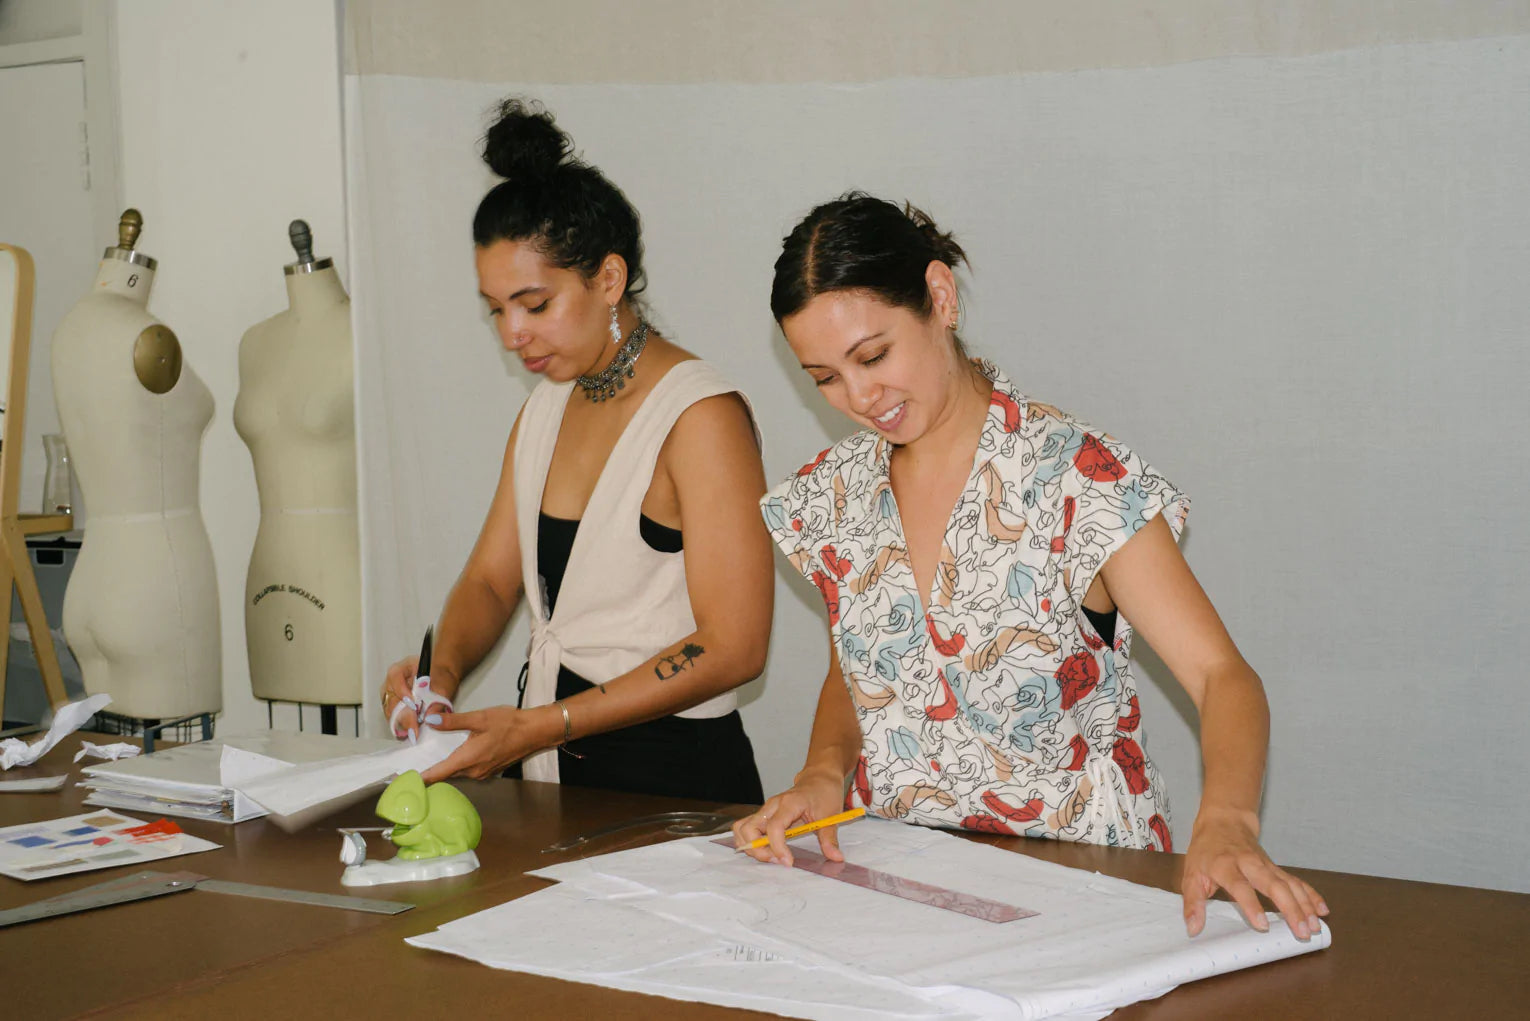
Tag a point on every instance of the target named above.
point(832, 472)
point(812, 502)
point(1068, 442)
point(1017, 412)
point(1064, 459)
point(692, 373)
point(696, 395)
point(1054, 437)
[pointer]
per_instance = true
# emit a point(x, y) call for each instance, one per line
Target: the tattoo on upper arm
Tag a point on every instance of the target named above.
point(671, 665)
point(602, 688)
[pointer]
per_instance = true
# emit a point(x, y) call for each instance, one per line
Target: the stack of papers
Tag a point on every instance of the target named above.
point(300, 794)
point(317, 784)
point(204, 780)
point(694, 921)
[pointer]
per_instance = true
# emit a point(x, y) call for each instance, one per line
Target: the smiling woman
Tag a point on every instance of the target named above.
point(973, 548)
point(625, 512)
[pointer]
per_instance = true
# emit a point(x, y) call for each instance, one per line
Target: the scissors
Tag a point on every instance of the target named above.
point(421, 696)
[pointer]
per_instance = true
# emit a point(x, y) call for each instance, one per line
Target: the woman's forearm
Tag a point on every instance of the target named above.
point(1235, 737)
point(835, 744)
point(698, 667)
point(474, 617)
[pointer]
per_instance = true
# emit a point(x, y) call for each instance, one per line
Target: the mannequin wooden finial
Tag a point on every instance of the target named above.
point(128, 229)
point(302, 240)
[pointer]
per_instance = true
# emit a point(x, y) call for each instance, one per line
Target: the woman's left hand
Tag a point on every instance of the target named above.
point(1224, 853)
point(498, 737)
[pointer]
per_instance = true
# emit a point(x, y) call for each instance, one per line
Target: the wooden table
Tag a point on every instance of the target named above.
point(1401, 949)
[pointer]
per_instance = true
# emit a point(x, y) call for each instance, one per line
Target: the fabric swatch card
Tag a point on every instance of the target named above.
point(97, 840)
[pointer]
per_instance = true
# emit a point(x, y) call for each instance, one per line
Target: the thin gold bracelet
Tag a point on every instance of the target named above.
point(568, 731)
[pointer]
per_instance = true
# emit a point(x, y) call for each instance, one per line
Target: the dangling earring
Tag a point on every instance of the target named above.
point(616, 327)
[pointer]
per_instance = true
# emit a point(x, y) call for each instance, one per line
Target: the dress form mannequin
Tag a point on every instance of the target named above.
point(302, 604)
point(141, 609)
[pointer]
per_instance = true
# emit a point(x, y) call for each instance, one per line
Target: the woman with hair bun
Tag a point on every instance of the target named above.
point(625, 513)
point(985, 560)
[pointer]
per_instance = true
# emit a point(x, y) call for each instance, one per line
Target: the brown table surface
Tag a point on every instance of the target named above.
point(1401, 949)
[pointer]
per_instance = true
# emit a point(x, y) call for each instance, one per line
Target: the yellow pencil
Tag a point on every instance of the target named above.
point(809, 827)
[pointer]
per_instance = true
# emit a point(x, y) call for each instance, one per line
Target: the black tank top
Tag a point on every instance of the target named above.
point(555, 541)
point(1104, 623)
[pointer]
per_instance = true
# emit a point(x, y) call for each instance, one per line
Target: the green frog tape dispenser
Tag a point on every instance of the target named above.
point(435, 829)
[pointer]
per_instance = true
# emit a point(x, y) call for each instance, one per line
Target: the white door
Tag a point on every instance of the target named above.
point(45, 207)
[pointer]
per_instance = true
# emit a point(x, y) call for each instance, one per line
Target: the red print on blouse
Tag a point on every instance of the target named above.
point(945, 646)
point(839, 566)
point(1160, 830)
point(829, 589)
point(1133, 718)
point(1095, 462)
point(1079, 674)
point(1079, 748)
point(1128, 755)
point(1059, 541)
point(807, 469)
point(1009, 406)
point(860, 785)
point(946, 710)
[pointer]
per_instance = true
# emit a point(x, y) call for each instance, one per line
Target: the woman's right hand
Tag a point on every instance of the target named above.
point(813, 796)
point(398, 687)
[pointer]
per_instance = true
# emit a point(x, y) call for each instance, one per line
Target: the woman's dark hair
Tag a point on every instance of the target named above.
point(560, 203)
point(861, 243)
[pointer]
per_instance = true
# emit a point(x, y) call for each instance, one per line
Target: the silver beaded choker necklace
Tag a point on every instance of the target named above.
point(602, 386)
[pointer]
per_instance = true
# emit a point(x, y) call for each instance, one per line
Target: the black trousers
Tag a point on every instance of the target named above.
point(710, 760)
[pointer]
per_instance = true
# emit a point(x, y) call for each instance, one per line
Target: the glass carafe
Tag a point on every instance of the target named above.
point(59, 481)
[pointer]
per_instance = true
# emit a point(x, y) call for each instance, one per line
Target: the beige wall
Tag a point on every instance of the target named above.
point(1291, 279)
point(779, 41)
point(30, 21)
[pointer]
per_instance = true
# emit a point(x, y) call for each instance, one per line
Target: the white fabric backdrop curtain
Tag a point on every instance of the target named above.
point(1295, 285)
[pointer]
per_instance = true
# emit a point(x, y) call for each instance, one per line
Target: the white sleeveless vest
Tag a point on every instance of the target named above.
point(621, 602)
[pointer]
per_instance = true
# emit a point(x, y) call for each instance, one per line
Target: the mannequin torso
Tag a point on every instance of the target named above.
point(295, 412)
point(141, 609)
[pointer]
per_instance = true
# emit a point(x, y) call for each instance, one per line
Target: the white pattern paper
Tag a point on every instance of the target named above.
point(721, 928)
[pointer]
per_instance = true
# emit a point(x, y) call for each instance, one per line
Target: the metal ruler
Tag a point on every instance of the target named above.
point(147, 884)
point(905, 889)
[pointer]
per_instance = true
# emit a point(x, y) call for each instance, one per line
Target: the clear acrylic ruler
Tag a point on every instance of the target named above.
point(906, 889)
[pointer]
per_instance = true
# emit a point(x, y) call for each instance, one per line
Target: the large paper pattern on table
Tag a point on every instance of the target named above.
point(694, 921)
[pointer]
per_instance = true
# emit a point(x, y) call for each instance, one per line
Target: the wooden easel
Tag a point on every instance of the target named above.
point(15, 563)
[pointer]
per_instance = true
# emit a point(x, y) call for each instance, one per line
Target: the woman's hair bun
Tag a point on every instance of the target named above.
point(943, 246)
point(567, 208)
point(523, 143)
